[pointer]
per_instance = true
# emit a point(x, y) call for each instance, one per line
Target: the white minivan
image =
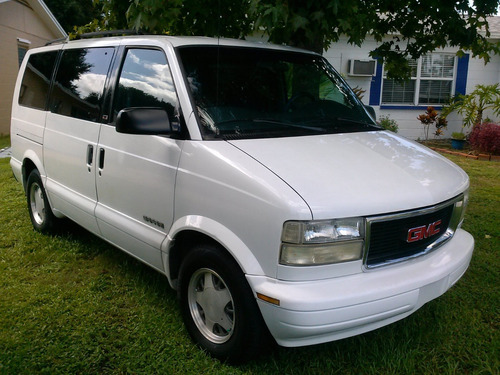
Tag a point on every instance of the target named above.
point(249, 174)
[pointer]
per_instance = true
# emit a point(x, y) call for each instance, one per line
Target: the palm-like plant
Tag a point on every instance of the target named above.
point(473, 105)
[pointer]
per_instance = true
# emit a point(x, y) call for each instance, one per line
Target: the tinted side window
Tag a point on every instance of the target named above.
point(36, 80)
point(145, 81)
point(79, 82)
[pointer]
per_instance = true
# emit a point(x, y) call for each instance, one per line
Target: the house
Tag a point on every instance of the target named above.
point(24, 24)
point(435, 78)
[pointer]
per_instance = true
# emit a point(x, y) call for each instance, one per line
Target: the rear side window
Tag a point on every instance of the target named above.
point(145, 81)
point(79, 83)
point(36, 80)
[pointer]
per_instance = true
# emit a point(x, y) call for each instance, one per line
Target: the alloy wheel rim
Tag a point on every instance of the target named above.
point(37, 203)
point(211, 306)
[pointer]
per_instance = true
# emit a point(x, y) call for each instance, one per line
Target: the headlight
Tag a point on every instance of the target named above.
point(318, 242)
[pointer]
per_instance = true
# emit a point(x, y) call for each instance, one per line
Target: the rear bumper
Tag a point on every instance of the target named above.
point(313, 312)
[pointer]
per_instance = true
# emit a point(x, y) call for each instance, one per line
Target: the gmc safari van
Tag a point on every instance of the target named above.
point(250, 175)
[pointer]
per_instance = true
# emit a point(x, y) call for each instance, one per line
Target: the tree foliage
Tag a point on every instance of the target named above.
point(414, 27)
point(418, 26)
point(70, 13)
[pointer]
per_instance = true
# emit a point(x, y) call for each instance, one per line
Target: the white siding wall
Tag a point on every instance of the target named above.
point(340, 53)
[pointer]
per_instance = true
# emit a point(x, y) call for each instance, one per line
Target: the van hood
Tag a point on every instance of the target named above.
point(359, 174)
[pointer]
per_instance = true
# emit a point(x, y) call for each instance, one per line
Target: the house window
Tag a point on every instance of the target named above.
point(22, 47)
point(432, 82)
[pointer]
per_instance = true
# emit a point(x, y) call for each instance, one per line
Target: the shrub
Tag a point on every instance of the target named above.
point(431, 117)
point(388, 123)
point(458, 136)
point(486, 138)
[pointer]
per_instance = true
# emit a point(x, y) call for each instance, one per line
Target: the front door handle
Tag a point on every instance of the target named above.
point(101, 160)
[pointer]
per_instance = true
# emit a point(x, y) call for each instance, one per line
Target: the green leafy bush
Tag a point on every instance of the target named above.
point(458, 136)
point(388, 123)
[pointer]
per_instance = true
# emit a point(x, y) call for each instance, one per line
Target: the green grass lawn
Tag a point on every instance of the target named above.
point(4, 141)
point(71, 303)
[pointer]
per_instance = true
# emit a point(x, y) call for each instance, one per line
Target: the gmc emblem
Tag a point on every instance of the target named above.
point(419, 233)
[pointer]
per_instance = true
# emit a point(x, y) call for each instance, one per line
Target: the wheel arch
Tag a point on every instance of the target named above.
point(191, 231)
point(28, 167)
point(30, 162)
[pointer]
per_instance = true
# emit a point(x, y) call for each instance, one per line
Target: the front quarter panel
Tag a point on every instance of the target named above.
point(221, 189)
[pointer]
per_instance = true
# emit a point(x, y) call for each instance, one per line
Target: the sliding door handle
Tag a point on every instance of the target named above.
point(90, 157)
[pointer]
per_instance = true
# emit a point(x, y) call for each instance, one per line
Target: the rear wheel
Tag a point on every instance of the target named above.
point(218, 306)
point(41, 215)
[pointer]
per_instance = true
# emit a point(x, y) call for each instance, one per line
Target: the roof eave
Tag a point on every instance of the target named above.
point(48, 18)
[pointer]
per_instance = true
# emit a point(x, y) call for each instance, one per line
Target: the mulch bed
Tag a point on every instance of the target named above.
point(444, 146)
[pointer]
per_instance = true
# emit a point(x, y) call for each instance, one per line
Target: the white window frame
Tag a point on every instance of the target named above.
point(419, 78)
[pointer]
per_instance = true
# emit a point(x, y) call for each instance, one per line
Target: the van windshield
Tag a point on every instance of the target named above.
point(242, 93)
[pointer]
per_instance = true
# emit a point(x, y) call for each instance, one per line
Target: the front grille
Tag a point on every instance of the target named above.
point(388, 236)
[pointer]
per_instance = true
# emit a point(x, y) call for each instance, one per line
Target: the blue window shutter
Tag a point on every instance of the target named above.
point(462, 71)
point(376, 85)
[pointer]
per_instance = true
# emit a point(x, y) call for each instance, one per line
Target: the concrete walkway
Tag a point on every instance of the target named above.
point(5, 152)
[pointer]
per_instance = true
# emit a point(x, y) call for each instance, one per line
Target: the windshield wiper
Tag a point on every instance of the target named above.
point(272, 121)
point(289, 124)
point(279, 130)
point(357, 122)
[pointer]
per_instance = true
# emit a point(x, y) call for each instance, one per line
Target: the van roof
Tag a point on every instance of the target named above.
point(179, 41)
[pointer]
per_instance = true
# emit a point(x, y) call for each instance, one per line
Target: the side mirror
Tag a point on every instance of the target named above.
point(143, 120)
point(371, 112)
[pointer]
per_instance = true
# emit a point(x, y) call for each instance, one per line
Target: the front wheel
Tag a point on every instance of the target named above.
point(41, 215)
point(218, 306)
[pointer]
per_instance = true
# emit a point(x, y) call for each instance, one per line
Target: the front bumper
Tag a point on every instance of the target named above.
point(313, 312)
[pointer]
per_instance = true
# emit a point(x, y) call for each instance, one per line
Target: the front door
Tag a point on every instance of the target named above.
point(136, 173)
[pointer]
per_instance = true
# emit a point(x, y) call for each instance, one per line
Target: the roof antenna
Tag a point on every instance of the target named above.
point(218, 21)
point(218, 52)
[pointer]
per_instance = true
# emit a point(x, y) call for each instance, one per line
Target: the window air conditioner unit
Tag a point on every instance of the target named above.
point(362, 67)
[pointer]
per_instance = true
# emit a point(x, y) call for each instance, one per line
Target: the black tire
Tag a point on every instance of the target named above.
point(223, 318)
point(41, 215)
